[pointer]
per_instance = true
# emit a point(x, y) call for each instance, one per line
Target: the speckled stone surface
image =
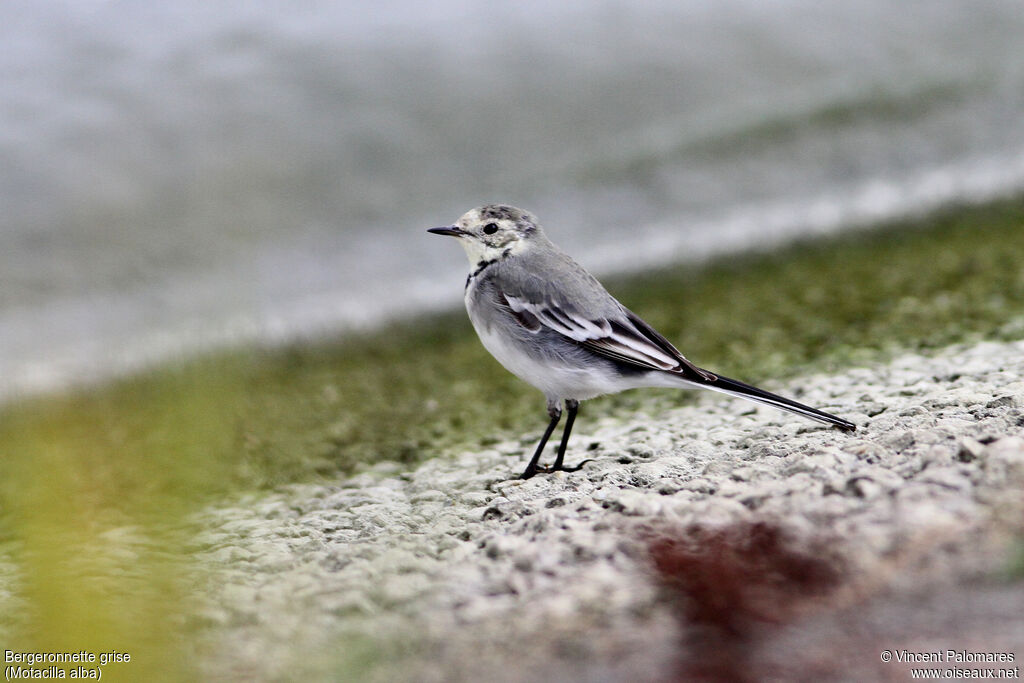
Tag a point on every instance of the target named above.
point(457, 571)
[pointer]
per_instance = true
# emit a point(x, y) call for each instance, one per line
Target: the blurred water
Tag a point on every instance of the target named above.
point(180, 175)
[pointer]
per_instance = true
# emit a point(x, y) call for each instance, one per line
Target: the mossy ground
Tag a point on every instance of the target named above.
point(146, 450)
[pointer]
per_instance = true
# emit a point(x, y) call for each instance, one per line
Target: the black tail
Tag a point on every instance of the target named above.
point(736, 388)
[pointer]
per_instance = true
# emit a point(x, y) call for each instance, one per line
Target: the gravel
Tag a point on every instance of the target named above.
point(455, 570)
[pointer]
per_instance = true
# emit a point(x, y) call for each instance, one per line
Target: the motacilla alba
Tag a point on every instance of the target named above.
point(553, 325)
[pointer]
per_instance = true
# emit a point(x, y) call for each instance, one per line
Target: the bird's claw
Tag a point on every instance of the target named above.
point(541, 469)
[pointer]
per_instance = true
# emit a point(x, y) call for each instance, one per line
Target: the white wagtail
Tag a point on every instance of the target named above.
point(553, 325)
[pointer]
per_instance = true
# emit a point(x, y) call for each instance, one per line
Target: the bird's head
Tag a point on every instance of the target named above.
point(492, 232)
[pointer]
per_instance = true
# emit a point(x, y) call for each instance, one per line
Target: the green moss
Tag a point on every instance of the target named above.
point(922, 284)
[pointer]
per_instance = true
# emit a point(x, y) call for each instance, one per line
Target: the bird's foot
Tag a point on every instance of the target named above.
point(541, 469)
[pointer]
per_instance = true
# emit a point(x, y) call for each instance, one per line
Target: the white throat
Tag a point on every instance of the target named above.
point(478, 252)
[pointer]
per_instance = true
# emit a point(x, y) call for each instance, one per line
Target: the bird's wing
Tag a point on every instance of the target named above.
point(623, 336)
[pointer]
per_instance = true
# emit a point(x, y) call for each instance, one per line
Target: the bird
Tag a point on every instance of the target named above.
point(552, 324)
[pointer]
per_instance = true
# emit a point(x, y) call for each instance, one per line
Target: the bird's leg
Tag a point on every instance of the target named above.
point(555, 411)
point(572, 406)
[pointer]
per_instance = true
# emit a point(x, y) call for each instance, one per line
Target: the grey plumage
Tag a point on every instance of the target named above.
point(551, 323)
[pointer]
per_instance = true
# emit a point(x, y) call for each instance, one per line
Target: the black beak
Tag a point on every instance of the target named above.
point(451, 230)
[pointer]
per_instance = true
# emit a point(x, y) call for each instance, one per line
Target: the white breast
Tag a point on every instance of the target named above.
point(557, 378)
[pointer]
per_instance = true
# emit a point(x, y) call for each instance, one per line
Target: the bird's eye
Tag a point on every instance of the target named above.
point(490, 228)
